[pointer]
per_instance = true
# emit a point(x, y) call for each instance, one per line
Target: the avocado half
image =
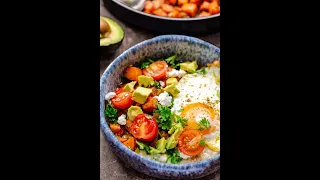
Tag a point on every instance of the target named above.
point(111, 41)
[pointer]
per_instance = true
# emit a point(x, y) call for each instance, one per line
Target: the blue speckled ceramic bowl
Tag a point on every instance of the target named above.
point(186, 48)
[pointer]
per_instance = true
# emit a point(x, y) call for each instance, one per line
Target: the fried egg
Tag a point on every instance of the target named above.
point(199, 98)
point(199, 93)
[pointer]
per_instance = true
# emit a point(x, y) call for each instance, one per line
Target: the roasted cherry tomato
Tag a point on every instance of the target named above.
point(189, 142)
point(157, 70)
point(122, 100)
point(119, 90)
point(144, 127)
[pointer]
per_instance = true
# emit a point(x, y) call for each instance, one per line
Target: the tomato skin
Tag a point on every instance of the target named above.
point(157, 70)
point(119, 90)
point(120, 133)
point(144, 127)
point(122, 100)
point(186, 136)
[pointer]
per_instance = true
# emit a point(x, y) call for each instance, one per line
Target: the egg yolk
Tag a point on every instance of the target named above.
point(198, 111)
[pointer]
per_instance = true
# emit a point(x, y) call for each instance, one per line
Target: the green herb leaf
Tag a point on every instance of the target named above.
point(172, 101)
point(202, 143)
point(165, 117)
point(146, 63)
point(111, 113)
point(180, 110)
point(173, 156)
point(183, 121)
point(143, 146)
point(171, 61)
point(202, 71)
point(157, 85)
point(203, 124)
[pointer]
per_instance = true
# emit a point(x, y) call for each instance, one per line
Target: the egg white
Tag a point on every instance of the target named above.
point(198, 88)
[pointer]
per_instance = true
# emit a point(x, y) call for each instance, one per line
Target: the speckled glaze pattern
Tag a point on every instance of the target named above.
point(187, 49)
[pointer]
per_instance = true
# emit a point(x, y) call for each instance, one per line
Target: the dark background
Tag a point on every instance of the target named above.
point(111, 167)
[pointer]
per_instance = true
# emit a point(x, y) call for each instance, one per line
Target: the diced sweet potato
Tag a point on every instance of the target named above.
point(159, 12)
point(173, 2)
point(174, 14)
point(205, 6)
point(177, 8)
point(204, 13)
point(214, 8)
point(147, 11)
point(157, 3)
point(218, 1)
point(167, 8)
point(183, 14)
point(148, 6)
point(181, 2)
point(150, 105)
point(190, 9)
point(197, 2)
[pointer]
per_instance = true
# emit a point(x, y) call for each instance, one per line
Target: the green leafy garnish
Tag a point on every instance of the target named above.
point(111, 113)
point(157, 85)
point(173, 156)
point(172, 101)
point(180, 110)
point(203, 124)
point(183, 121)
point(202, 143)
point(143, 146)
point(165, 117)
point(202, 71)
point(171, 61)
point(146, 63)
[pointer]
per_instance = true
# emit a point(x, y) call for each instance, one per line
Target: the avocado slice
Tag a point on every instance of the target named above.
point(172, 89)
point(133, 112)
point(115, 35)
point(172, 141)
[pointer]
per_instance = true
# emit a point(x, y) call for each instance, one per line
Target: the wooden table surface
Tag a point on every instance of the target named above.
point(111, 167)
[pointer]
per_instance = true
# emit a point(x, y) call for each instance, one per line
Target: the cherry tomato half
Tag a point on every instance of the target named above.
point(157, 70)
point(189, 142)
point(144, 127)
point(122, 100)
point(119, 90)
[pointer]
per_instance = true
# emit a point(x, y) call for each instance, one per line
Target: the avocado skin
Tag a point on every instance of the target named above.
point(107, 51)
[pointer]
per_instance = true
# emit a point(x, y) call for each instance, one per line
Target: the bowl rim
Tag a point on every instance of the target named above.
point(109, 136)
point(165, 18)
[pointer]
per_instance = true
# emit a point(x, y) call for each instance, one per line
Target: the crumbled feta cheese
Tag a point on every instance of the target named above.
point(122, 119)
point(183, 156)
point(176, 73)
point(162, 84)
point(164, 99)
point(163, 158)
point(109, 96)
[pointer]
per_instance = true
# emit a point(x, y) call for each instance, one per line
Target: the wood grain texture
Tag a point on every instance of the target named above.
point(111, 167)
